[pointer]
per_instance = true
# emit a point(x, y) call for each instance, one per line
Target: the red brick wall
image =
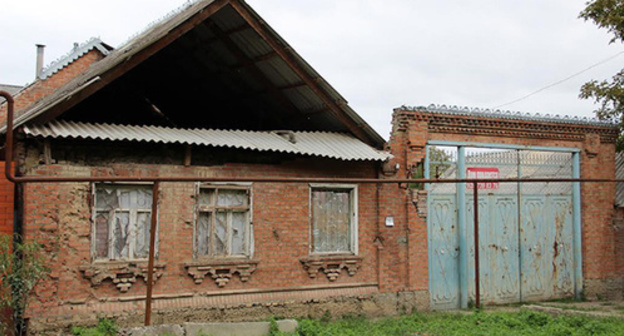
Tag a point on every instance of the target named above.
point(6, 203)
point(41, 88)
point(59, 217)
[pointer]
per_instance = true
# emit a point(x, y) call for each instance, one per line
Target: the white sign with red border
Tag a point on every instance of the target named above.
point(482, 173)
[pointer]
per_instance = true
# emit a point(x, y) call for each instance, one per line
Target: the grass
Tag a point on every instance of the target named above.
point(524, 322)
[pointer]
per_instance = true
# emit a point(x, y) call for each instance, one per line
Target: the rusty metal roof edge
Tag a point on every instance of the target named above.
point(76, 130)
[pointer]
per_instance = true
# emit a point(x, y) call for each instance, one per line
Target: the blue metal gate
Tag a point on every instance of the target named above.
point(527, 231)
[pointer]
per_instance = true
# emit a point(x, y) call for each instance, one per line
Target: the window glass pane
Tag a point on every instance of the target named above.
point(128, 225)
point(101, 235)
point(239, 224)
point(232, 197)
point(206, 196)
point(220, 248)
point(123, 197)
point(121, 231)
point(331, 229)
point(106, 198)
point(143, 198)
point(204, 221)
point(141, 246)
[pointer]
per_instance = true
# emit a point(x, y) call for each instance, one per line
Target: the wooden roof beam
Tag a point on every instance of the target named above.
point(286, 54)
point(249, 64)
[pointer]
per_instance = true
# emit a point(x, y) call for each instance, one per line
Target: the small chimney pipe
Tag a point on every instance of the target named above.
point(40, 52)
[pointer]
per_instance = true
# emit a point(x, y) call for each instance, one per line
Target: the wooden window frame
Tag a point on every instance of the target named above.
point(133, 216)
point(214, 209)
point(353, 200)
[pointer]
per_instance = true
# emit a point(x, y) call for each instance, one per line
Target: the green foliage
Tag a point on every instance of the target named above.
point(104, 328)
point(607, 14)
point(21, 268)
point(440, 162)
point(520, 323)
point(610, 97)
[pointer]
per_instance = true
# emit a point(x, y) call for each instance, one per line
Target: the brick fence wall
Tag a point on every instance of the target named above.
point(412, 128)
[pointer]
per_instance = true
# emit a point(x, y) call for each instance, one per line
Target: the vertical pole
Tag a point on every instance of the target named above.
point(576, 218)
point(152, 248)
point(461, 224)
point(519, 224)
point(476, 244)
point(426, 170)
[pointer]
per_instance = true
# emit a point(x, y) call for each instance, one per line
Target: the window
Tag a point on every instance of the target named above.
point(334, 219)
point(122, 221)
point(223, 226)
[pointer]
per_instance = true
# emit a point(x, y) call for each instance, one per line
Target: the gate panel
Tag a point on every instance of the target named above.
point(536, 236)
point(443, 230)
point(526, 230)
point(563, 263)
point(498, 226)
point(547, 256)
point(444, 252)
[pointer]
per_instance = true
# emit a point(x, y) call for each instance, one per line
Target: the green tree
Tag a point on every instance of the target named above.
point(609, 94)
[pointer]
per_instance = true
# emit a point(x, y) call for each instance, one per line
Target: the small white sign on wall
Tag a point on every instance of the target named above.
point(389, 221)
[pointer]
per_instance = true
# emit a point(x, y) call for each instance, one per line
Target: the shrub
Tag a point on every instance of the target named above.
point(21, 268)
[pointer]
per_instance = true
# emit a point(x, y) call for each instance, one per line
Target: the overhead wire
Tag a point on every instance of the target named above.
point(560, 81)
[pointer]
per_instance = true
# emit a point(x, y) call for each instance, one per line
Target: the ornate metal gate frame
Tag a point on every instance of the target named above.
point(530, 233)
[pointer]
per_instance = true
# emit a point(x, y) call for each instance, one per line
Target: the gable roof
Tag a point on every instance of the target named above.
point(286, 72)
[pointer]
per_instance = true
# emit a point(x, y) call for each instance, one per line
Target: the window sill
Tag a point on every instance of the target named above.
point(221, 270)
point(331, 265)
point(122, 273)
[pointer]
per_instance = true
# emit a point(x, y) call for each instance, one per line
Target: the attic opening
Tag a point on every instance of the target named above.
point(222, 75)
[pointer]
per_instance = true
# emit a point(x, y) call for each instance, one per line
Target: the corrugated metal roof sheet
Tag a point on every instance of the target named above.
point(323, 144)
point(619, 174)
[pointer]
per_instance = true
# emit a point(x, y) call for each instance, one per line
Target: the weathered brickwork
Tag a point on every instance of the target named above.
point(60, 217)
point(6, 204)
point(601, 265)
point(41, 88)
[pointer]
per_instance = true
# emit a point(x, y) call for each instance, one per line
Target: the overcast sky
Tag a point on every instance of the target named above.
point(377, 54)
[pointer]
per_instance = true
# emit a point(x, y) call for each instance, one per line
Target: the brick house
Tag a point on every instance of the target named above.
point(213, 91)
